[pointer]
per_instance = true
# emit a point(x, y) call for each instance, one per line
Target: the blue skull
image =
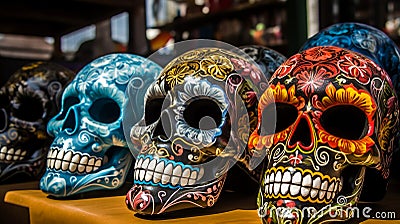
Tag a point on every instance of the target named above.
point(89, 151)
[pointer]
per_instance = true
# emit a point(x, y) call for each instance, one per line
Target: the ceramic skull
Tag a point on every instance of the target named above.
point(337, 115)
point(375, 44)
point(364, 39)
point(198, 116)
point(89, 152)
point(266, 58)
point(29, 98)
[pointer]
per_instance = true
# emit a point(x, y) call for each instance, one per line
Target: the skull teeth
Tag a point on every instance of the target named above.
point(11, 155)
point(165, 172)
point(73, 162)
point(303, 185)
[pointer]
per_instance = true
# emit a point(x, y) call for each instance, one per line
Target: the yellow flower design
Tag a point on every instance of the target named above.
point(351, 96)
point(177, 73)
point(217, 65)
point(275, 93)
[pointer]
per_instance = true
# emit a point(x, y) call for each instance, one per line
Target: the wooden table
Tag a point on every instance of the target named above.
point(112, 209)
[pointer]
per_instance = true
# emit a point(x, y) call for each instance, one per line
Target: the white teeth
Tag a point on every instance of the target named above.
point(160, 167)
point(305, 191)
point(64, 165)
point(72, 167)
point(314, 193)
point(277, 186)
point(317, 182)
point(141, 174)
point(84, 160)
point(149, 175)
point(201, 173)
point(68, 156)
point(60, 155)
point(71, 161)
point(152, 165)
point(284, 189)
point(286, 177)
point(294, 189)
point(177, 171)
point(278, 176)
point(163, 172)
point(307, 181)
point(298, 183)
point(57, 164)
point(91, 162)
point(89, 169)
point(98, 163)
point(296, 178)
point(146, 162)
point(11, 155)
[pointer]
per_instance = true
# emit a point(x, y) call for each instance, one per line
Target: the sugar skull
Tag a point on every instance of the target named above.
point(364, 39)
point(376, 45)
point(89, 152)
point(198, 116)
point(29, 98)
point(266, 58)
point(336, 117)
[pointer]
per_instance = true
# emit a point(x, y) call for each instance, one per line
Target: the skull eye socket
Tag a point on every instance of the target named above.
point(153, 110)
point(345, 121)
point(203, 114)
point(68, 102)
point(105, 110)
point(28, 107)
point(277, 117)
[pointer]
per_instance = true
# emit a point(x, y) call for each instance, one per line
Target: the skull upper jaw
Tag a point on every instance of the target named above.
point(22, 156)
point(72, 172)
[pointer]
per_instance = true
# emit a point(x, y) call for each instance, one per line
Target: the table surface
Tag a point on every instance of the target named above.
point(98, 209)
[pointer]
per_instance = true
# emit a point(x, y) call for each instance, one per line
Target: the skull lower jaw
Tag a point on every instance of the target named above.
point(162, 185)
point(154, 200)
point(19, 166)
point(297, 204)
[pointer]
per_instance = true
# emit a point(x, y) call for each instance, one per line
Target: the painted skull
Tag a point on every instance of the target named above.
point(337, 115)
point(89, 151)
point(268, 61)
point(266, 58)
point(29, 98)
point(375, 44)
point(198, 116)
point(364, 39)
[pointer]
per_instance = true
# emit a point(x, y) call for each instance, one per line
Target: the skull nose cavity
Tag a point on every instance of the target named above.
point(302, 134)
point(163, 129)
point(70, 122)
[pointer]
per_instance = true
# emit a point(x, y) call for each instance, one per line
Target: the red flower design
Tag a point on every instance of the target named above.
point(355, 67)
point(295, 159)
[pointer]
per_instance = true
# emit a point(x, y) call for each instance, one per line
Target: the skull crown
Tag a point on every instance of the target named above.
point(198, 116)
point(28, 100)
point(89, 152)
point(336, 117)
